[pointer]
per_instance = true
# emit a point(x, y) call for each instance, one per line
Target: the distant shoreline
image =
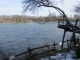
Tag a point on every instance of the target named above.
point(13, 21)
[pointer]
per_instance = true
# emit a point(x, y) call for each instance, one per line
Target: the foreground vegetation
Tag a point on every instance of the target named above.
point(23, 18)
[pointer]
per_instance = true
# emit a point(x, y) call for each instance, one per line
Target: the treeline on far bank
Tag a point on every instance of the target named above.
point(23, 18)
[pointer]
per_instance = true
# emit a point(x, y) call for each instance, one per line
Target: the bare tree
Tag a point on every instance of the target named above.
point(32, 5)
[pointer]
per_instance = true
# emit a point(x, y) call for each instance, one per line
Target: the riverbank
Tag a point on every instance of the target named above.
point(15, 21)
point(44, 53)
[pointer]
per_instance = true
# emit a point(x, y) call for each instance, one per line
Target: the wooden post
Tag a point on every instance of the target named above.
point(74, 38)
point(64, 35)
point(68, 44)
point(29, 50)
point(63, 39)
point(58, 22)
point(54, 46)
point(76, 22)
point(54, 50)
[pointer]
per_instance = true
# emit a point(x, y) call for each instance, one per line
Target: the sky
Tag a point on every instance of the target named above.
point(14, 7)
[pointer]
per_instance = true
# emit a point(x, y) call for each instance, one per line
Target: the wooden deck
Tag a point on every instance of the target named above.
point(77, 30)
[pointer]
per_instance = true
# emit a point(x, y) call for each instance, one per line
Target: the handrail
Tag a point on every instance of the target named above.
point(30, 50)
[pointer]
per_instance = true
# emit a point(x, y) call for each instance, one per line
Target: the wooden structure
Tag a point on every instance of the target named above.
point(62, 25)
point(75, 42)
point(48, 52)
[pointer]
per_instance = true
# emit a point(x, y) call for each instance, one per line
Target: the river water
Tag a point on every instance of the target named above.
point(17, 37)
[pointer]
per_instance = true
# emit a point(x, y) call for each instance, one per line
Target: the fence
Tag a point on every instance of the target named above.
point(48, 52)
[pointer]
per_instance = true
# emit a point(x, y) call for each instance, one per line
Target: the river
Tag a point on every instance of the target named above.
point(17, 37)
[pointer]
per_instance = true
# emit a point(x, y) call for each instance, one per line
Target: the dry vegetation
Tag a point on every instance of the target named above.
point(23, 19)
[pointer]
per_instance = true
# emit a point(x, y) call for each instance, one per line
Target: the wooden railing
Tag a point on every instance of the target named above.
point(29, 50)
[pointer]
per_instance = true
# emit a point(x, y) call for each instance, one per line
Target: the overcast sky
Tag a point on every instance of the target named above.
point(14, 7)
